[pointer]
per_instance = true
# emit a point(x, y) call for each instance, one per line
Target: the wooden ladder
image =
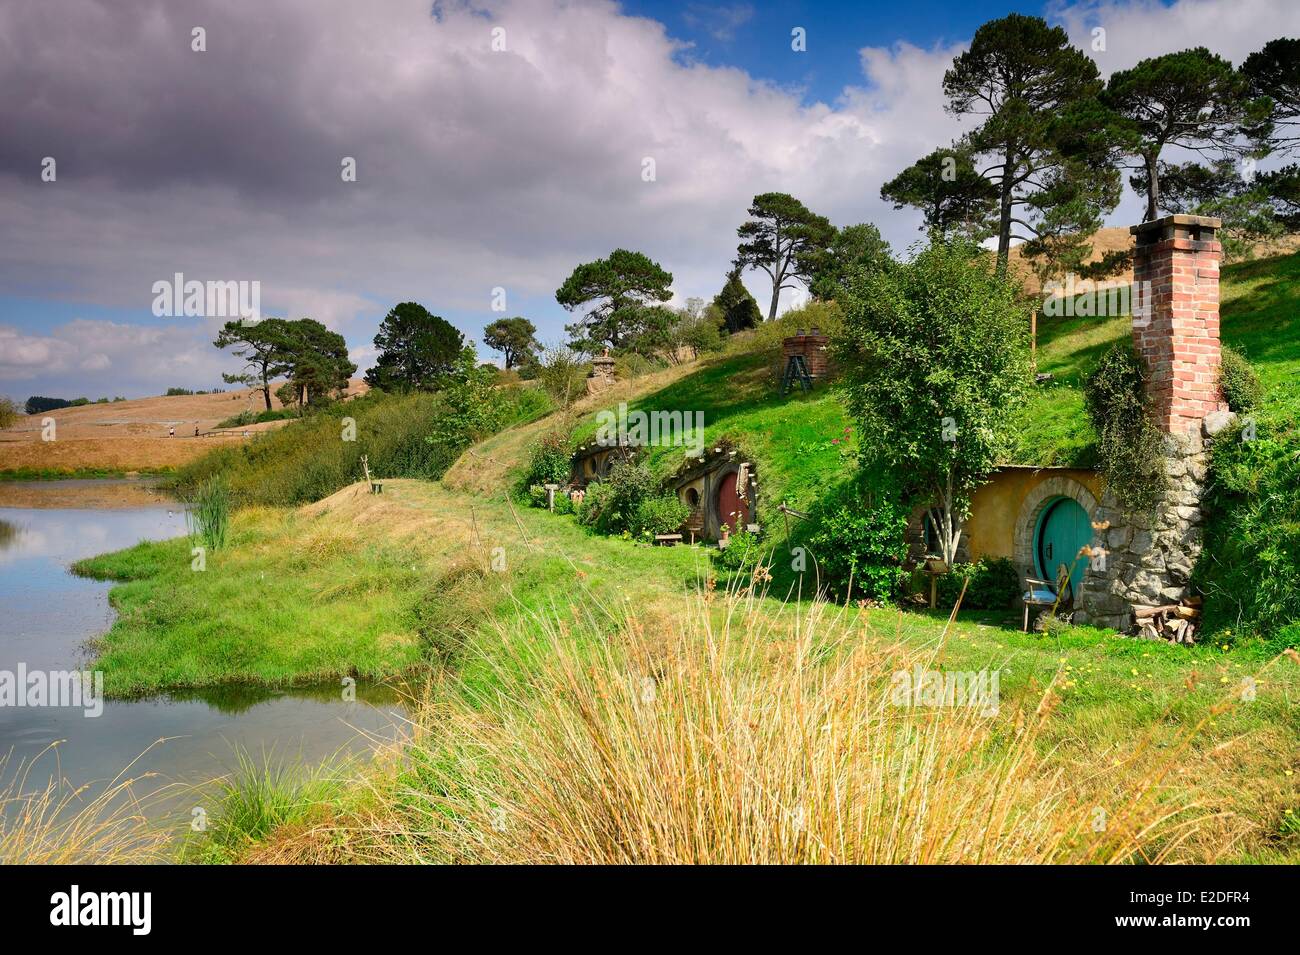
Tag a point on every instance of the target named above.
point(796, 369)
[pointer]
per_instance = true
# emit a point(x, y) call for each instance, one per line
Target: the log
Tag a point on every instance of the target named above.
point(1142, 613)
point(1187, 613)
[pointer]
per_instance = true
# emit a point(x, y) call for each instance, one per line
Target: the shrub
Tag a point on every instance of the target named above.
point(859, 534)
point(1249, 569)
point(1241, 388)
point(8, 412)
point(418, 435)
point(549, 462)
point(661, 513)
point(248, 416)
point(743, 552)
point(562, 374)
point(632, 364)
point(629, 501)
point(1129, 445)
point(990, 584)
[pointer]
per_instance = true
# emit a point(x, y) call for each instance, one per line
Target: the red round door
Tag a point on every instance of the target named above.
point(733, 507)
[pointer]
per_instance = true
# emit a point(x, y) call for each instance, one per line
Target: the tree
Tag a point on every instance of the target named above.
point(738, 308)
point(415, 348)
point(265, 347)
point(956, 200)
point(8, 412)
point(515, 338)
point(1193, 99)
point(854, 248)
point(319, 366)
point(1043, 138)
point(620, 290)
point(1253, 210)
point(782, 238)
point(1274, 77)
point(935, 358)
point(694, 328)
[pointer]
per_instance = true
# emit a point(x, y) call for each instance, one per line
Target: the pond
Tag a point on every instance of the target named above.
point(47, 615)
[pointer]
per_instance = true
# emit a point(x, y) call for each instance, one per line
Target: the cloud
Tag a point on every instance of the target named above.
point(476, 169)
point(95, 358)
point(720, 21)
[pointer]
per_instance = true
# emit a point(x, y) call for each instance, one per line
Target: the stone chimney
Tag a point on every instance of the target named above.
point(1145, 560)
point(1176, 275)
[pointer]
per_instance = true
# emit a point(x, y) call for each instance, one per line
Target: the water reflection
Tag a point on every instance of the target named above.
point(8, 534)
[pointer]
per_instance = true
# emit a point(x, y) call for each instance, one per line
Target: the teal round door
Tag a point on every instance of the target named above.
point(1063, 528)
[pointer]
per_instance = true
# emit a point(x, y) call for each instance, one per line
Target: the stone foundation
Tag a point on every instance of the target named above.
point(1147, 559)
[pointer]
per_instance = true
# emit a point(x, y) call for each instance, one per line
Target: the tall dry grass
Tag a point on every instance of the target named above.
point(52, 823)
point(741, 736)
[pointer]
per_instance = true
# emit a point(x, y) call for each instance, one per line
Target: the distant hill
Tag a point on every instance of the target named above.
point(133, 435)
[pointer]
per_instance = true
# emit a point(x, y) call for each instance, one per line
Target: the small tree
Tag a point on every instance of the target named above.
point(265, 347)
point(782, 238)
point(8, 412)
point(415, 349)
point(738, 308)
point(562, 374)
point(935, 357)
point(618, 292)
point(515, 338)
point(854, 248)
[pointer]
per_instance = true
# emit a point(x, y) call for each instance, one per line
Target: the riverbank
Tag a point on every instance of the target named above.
point(535, 629)
point(84, 779)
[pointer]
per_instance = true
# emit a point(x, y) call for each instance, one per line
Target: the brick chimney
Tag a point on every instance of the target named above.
point(812, 346)
point(1176, 273)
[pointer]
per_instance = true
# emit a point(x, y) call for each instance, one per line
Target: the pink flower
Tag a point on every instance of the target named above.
point(835, 440)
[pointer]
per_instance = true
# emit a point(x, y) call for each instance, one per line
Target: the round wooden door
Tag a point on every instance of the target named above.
point(733, 505)
point(1063, 529)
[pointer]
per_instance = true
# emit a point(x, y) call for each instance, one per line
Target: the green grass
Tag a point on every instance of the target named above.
point(295, 599)
point(790, 437)
point(1260, 308)
point(256, 799)
point(259, 612)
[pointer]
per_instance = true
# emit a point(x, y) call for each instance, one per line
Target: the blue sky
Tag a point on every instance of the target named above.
point(755, 36)
point(480, 168)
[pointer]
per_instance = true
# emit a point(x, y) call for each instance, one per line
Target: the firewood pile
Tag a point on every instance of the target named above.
point(1176, 623)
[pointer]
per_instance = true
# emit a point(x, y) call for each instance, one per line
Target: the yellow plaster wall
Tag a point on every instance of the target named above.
point(990, 531)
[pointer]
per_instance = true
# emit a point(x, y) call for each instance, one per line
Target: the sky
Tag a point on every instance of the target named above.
point(483, 176)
